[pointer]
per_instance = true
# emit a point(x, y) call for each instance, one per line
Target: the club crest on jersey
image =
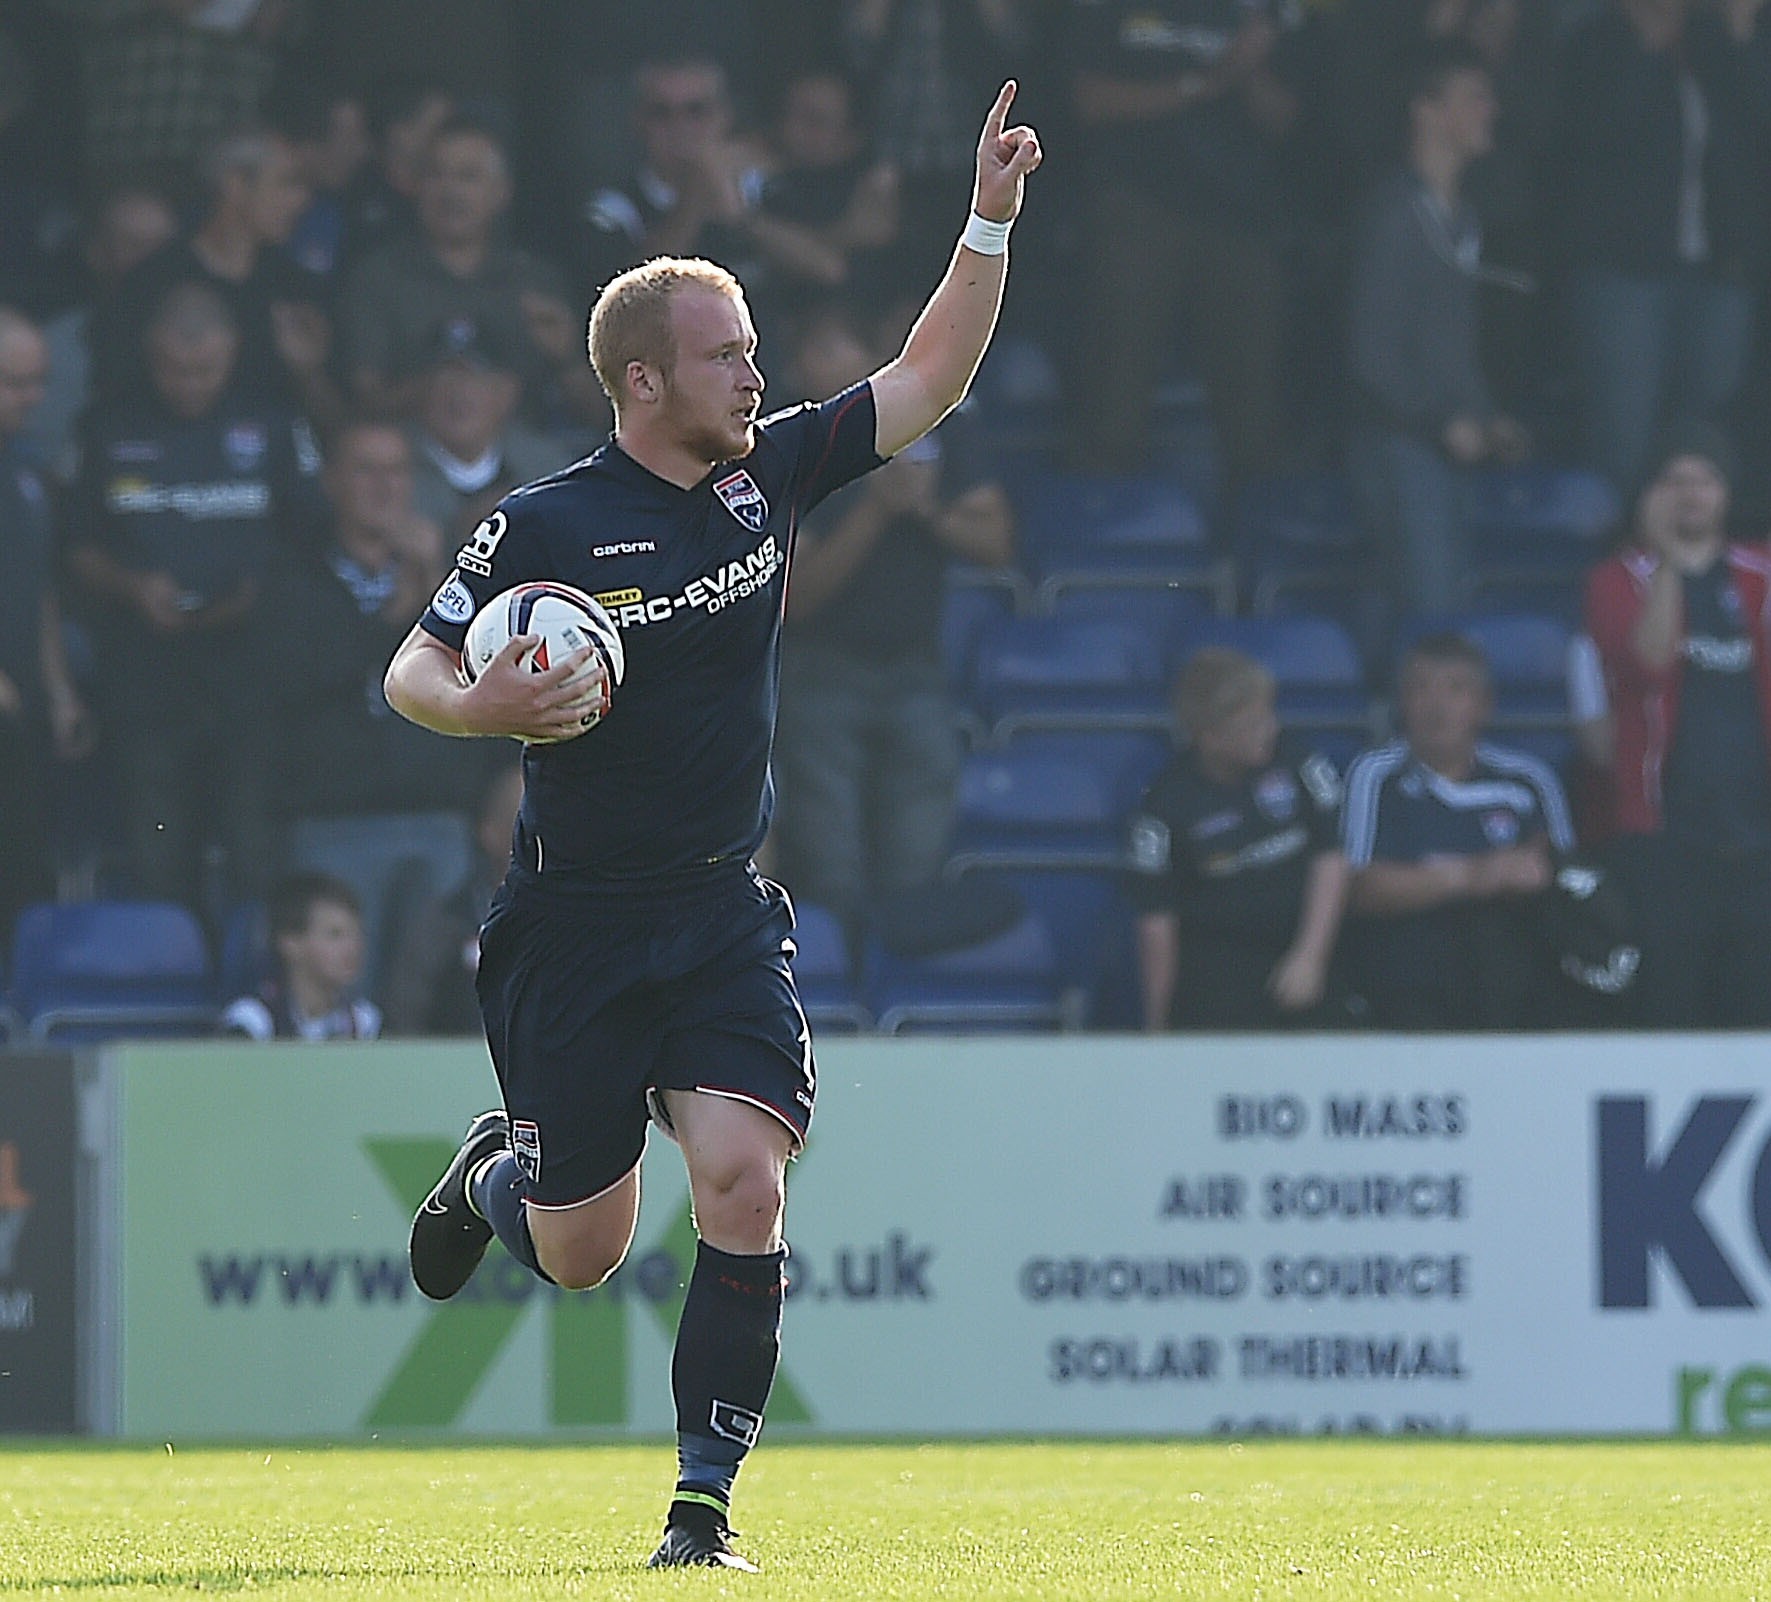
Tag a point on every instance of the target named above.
point(1276, 795)
point(744, 500)
point(245, 445)
point(1500, 826)
point(525, 1147)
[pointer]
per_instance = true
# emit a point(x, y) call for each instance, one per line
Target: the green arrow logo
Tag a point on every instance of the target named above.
point(587, 1331)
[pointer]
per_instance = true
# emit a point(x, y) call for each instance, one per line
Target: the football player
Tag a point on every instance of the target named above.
point(634, 962)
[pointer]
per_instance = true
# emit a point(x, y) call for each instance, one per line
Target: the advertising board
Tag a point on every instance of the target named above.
point(1039, 1235)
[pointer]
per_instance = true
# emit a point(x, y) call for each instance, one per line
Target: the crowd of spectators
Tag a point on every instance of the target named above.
point(291, 291)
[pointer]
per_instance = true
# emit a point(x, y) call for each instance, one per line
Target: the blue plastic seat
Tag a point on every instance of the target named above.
point(1051, 672)
point(1536, 526)
point(93, 970)
point(1164, 612)
point(1036, 809)
point(966, 611)
point(1087, 917)
point(1080, 529)
point(1130, 758)
point(1012, 982)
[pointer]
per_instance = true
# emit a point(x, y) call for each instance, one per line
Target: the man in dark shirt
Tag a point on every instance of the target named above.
point(458, 269)
point(1452, 842)
point(281, 311)
point(183, 495)
point(867, 753)
point(359, 792)
point(41, 713)
point(634, 961)
point(1183, 106)
point(1681, 625)
point(1425, 412)
point(1236, 872)
point(696, 184)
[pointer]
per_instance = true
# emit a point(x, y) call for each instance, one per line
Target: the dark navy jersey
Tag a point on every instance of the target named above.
point(1233, 858)
point(1714, 786)
point(673, 785)
point(1400, 810)
point(205, 500)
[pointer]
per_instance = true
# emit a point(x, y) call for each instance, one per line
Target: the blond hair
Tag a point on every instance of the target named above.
point(1216, 684)
point(631, 319)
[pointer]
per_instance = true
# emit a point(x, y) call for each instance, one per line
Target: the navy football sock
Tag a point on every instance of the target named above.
point(727, 1344)
point(495, 1192)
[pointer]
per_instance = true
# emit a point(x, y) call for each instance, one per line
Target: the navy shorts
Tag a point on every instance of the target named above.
point(591, 1010)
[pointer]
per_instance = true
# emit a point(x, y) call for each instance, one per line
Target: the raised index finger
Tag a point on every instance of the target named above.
point(999, 112)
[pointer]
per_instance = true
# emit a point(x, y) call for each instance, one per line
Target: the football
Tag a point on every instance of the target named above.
point(566, 619)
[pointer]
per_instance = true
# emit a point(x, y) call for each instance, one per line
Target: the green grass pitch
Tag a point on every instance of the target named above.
point(1089, 1520)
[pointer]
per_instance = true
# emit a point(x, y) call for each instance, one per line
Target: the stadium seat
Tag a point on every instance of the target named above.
point(1012, 982)
point(94, 970)
point(1536, 528)
point(1163, 611)
point(1046, 672)
point(1130, 758)
point(1079, 529)
point(246, 960)
point(1296, 523)
point(1036, 809)
point(821, 972)
point(966, 610)
point(1086, 916)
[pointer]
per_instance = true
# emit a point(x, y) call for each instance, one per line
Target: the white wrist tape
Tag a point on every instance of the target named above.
point(987, 238)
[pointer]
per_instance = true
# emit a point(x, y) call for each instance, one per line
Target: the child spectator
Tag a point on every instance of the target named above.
point(1236, 874)
point(317, 946)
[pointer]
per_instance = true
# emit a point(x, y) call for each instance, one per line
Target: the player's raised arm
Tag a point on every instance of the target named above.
point(423, 684)
point(930, 376)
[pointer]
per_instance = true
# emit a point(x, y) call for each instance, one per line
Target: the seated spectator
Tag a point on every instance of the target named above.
point(255, 196)
point(1663, 214)
point(1680, 623)
point(430, 982)
point(363, 794)
point(867, 751)
point(1453, 845)
point(468, 446)
point(1235, 869)
point(1426, 410)
point(457, 271)
point(42, 717)
point(317, 945)
point(184, 494)
point(127, 226)
point(697, 185)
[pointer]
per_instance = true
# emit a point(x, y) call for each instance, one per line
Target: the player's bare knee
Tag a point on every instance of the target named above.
point(580, 1265)
point(742, 1206)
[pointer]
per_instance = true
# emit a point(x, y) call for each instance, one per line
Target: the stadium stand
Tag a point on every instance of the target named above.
point(1081, 529)
point(1011, 982)
point(1534, 532)
point(93, 970)
point(1046, 672)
